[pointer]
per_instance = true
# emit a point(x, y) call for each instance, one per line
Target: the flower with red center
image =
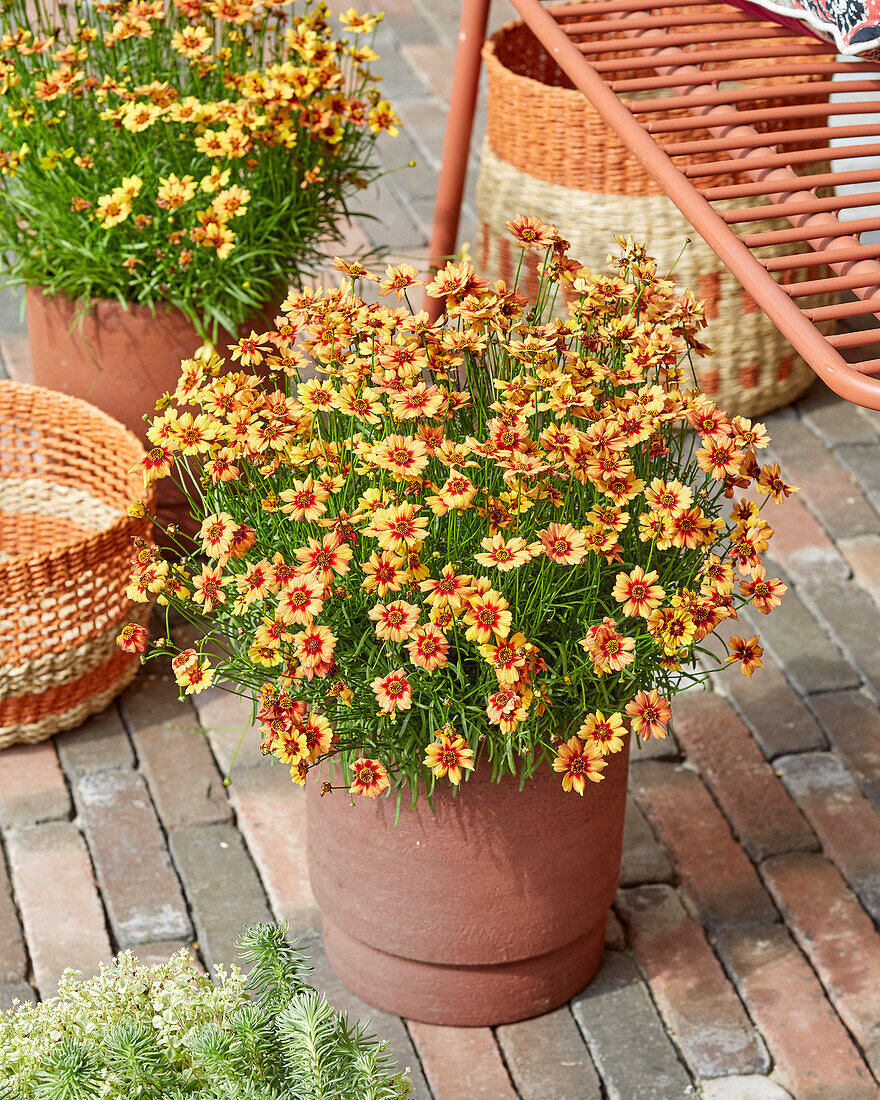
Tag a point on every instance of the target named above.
point(383, 574)
point(208, 587)
point(717, 576)
point(317, 735)
point(155, 464)
point(709, 421)
point(457, 491)
point(690, 528)
point(673, 627)
point(242, 541)
point(719, 460)
point(369, 778)
point(326, 559)
point(448, 755)
point(503, 554)
point(394, 621)
point(300, 600)
point(399, 279)
point(649, 713)
point(748, 653)
point(487, 615)
point(253, 584)
point(563, 544)
point(762, 592)
point(306, 501)
point(192, 674)
point(428, 648)
point(402, 456)
point(193, 435)
point(418, 401)
point(451, 590)
point(398, 528)
point(393, 692)
point(132, 638)
point(747, 435)
point(217, 533)
point(606, 733)
point(508, 658)
point(289, 745)
point(577, 763)
point(770, 483)
point(638, 592)
point(531, 233)
point(314, 649)
point(667, 499)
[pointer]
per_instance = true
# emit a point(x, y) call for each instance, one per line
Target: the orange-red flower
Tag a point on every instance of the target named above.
point(503, 554)
point(448, 755)
point(394, 621)
point(132, 638)
point(606, 733)
point(487, 615)
point(326, 559)
point(217, 533)
point(300, 600)
point(393, 692)
point(638, 592)
point(748, 653)
point(531, 233)
point(369, 777)
point(563, 544)
point(428, 648)
point(306, 501)
point(383, 574)
point(649, 714)
point(577, 763)
point(314, 649)
point(208, 587)
point(763, 593)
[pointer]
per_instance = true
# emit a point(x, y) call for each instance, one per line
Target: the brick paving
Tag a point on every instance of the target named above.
point(743, 956)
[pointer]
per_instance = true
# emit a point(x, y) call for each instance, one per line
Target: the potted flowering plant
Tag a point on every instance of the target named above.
point(472, 559)
point(168, 170)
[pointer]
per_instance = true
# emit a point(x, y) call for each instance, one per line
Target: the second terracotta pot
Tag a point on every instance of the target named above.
point(488, 910)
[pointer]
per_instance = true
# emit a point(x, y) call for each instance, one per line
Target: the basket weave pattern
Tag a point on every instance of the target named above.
point(548, 153)
point(65, 545)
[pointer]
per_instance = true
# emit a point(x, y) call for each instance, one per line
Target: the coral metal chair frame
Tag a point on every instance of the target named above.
point(696, 71)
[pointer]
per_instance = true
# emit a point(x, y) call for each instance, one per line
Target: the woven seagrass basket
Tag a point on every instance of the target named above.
point(65, 545)
point(548, 153)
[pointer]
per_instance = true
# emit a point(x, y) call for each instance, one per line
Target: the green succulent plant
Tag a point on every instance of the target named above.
point(168, 1032)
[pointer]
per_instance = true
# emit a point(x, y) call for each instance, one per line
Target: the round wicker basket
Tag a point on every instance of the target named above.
point(65, 545)
point(549, 153)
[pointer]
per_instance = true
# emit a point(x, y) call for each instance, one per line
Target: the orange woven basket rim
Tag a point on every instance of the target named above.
point(92, 540)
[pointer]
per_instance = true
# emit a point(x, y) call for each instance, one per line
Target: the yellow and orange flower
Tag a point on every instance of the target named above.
point(392, 692)
point(577, 763)
point(369, 777)
point(448, 755)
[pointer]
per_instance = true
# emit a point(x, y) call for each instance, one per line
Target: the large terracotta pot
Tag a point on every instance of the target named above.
point(118, 358)
point(489, 910)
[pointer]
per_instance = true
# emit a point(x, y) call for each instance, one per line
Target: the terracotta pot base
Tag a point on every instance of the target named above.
point(490, 908)
point(465, 996)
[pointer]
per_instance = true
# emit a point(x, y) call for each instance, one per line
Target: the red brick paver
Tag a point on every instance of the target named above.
point(462, 1061)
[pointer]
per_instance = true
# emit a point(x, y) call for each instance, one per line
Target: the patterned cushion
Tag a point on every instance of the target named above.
point(853, 26)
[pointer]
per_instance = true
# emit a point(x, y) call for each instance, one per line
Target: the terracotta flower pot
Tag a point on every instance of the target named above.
point(489, 910)
point(120, 359)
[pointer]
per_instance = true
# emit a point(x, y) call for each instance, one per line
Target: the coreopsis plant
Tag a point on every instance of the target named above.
point(197, 152)
point(495, 541)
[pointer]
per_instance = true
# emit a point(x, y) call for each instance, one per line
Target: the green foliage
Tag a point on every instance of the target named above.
point(168, 1033)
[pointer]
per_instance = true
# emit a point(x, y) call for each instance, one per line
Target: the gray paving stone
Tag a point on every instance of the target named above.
point(226, 721)
point(547, 1057)
point(854, 620)
point(10, 992)
point(751, 1086)
point(13, 955)
point(632, 1051)
point(844, 820)
point(834, 420)
point(861, 459)
point(693, 994)
point(100, 744)
point(793, 637)
point(221, 885)
point(644, 859)
point(399, 79)
point(138, 883)
point(173, 754)
point(852, 722)
point(776, 715)
point(385, 1025)
point(829, 489)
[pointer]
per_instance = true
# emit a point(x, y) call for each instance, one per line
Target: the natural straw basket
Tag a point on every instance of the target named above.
point(65, 545)
point(550, 154)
